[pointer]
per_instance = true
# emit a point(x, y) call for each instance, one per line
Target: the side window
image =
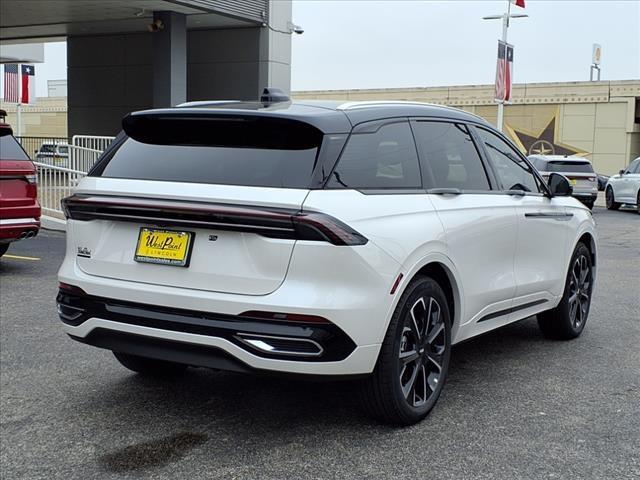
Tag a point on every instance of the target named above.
point(512, 171)
point(386, 158)
point(450, 155)
point(634, 167)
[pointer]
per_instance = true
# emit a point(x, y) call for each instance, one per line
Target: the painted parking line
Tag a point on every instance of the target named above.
point(18, 257)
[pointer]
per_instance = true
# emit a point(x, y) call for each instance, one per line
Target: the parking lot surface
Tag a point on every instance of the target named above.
point(516, 406)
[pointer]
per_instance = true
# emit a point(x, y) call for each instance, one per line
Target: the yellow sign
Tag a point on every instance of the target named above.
point(165, 247)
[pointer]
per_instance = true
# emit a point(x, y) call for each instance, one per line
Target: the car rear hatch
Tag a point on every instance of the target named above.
point(207, 203)
point(18, 191)
point(580, 174)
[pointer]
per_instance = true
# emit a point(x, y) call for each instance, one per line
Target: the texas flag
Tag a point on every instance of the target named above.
point(28, 84)
point(518, 3)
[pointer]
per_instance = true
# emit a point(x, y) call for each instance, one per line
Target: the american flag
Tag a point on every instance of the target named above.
point(504, 72)
point(11, 82)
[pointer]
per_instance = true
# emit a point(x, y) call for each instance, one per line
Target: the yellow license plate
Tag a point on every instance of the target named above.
point(573, 181)
point(166, 247)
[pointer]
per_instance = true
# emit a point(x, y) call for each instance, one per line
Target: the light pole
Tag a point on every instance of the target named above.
point(506, 17)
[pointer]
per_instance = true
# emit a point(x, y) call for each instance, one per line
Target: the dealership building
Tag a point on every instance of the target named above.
point(597, 120)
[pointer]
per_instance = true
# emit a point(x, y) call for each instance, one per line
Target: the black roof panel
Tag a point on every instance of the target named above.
point(327, 116)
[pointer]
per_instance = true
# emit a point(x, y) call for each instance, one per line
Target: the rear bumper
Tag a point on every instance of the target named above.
point(586, 196)
point(317, 341)
point(12, 229)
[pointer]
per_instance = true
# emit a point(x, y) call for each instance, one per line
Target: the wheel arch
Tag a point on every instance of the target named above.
point(590, 242)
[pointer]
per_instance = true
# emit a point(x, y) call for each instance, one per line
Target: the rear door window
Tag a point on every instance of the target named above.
point(383, 159)
point(450, 156)
point(10, 149)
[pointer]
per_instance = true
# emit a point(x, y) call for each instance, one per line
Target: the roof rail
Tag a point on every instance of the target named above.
point(206, 103)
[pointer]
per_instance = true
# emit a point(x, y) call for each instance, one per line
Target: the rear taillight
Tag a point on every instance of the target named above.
point(269, 222)
point(32, 179)
point(592, 179)
point(71, 289)
point(318, 226)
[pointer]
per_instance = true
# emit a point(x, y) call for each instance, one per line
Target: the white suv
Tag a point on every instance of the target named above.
point(337, 240)
point(624, 188)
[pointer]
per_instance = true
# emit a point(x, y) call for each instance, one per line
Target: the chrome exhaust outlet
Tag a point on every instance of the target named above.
point(302, 347)
point(22, 235)
point(30, 234)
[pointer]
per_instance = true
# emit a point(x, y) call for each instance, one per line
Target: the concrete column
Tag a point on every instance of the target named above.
point(169, 59)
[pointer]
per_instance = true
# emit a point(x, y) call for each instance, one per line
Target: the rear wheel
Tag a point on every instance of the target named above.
point(638, 202)
point(568, 319)
point(3, 248)
point(611, 202)
point(414, 359)
point(150, 366)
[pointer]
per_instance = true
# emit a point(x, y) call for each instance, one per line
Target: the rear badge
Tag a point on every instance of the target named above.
point(213, 238)
point(84, 252)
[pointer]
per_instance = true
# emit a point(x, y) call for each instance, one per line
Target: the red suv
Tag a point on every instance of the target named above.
point(19, 207)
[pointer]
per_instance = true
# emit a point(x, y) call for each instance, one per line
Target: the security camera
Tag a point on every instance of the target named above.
point(156, 26)
point(293, 28)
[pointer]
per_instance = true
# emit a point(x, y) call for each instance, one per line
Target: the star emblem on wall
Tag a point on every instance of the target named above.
point(542, 143)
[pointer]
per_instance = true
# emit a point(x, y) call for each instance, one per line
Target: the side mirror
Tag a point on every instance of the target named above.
point(559, 185)
point(621, 172)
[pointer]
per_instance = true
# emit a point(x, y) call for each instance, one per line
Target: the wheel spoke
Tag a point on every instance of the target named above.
point(435, 360)
point(409, 356)
point(418, 318)
point(576, 283)
point(407, 388)
point(437, 330)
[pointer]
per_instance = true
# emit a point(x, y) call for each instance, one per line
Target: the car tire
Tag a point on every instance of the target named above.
point(149, 366)
point(414, 358)
point(610, 198)
point(637, 204)
point(3, 248)
point(568, 319)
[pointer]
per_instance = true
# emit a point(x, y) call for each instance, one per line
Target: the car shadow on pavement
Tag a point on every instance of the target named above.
point(160, 420)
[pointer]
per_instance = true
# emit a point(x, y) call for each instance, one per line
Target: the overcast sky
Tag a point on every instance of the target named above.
point(369, 44)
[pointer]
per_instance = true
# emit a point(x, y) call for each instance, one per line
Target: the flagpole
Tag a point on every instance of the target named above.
point(19, 104)
point(505, 29)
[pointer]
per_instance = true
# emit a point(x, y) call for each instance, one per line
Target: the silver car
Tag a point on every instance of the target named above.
point(577, 169)
point(624, 187)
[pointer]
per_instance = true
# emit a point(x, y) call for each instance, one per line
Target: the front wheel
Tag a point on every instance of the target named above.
point(568, 319)
point(150, 366)
point(610, 198)
point(414, 358)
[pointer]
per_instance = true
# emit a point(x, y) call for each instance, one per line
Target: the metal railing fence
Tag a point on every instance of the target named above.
point(55, 183)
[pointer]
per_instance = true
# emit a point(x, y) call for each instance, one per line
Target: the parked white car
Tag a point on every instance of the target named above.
point(578, 170)
point(624, 188)
point(53, 153)
point(356, 240)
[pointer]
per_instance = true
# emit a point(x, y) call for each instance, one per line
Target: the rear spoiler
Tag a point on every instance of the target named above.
point(198, 127)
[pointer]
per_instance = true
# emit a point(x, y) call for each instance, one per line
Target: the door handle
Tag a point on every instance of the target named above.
point(554, 215)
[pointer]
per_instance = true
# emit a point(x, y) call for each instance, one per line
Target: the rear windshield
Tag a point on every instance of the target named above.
point(10, 149)
point(562, 166)
point(250, 154)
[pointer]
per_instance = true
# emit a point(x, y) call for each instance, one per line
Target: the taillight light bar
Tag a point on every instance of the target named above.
point(269, 222)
